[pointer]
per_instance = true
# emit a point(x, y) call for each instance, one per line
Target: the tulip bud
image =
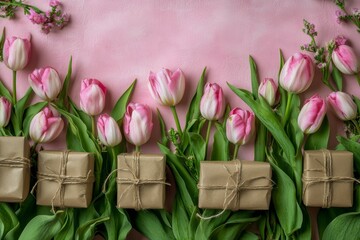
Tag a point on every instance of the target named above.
point(345, 59)
point(167, 87)
point(16, 53)
point(46, 83)
point(212, 105)
point(5, 112)
point(268, 89)
point(312, 114)
point(343, 105)
point(108, 131)
point(92, 96)
point(46, 125)
point(297, 73)
point(240, 126)
point(138, 123)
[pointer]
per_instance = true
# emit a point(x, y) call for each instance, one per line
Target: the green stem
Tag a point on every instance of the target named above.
point(137, 149)
point(22, 5)
point(287, 110)
point(14, 88)
point(176, 118)
point(2, 132)
point(358, 77)
point(93, 124)
point(208, 136)
point(356, 125)
point(236, 151)
point(113, 158)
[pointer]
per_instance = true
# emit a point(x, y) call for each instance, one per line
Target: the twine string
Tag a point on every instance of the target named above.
point(15, 162)
point(232, 192)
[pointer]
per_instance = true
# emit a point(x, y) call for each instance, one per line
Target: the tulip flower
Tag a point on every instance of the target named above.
point(46, 125)
point(5, 112)
point(46, 83)
point(343, 105)
point(167, 87)
point(16, 53)
point(268, 89)
point(212, 105)
point(312, 114)
point(92, 96)
point(138, 124)
point(108, 131)
point(240, 126)
point(297, 73)
point(345, 59)
point(16, 57)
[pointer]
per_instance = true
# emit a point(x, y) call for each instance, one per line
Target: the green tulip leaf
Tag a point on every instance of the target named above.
point(44, 227)
point(269, 119)
point(163, 133)
point(337, 77)
point(284, 199)
point(352, 146)
point(180, 219)
point(87, 231)
point(254, 77)
point(5, 92)
point(207, 227)
point(220, 149)
point(194, 108)
point(345, 226)
point(326, 215)
point(63, 95)
point(357, 102)
point(67, 232)
point(198, 148)
point(2, 41)
point(17, 116)
point(120, 106)
point(319, 140)
point(9, 222)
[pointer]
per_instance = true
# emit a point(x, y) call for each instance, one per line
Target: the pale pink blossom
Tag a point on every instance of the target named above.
point(345, 59)
point(212, 105)
point(46, 83)
point(5, 112)
point(167, 87)
point(240, 126)
point(108, 131)
point(138, 123)
point(343, 105)
point(268, 89)
point(312, 114)
point(16, 53)
point(92, 96)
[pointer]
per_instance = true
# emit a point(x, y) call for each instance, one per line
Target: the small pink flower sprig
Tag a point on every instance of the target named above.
point(343, 15)
point(52, 19)
point(333, 59)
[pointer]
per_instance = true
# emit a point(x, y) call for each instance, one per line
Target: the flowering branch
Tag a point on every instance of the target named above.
point(53, 18)
point(344, 16)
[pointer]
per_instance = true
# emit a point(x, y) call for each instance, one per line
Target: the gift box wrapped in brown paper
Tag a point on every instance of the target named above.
point(65, 179)
point(141, 181)
point(14, 169)
point(235, 185)
point(328, 178)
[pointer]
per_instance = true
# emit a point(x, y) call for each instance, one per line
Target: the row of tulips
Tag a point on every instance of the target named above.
point(273, 104)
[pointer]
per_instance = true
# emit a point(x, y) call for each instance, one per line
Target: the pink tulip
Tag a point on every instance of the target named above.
point(345, 59)
point(5, 112)
point(268, 89)
point(108, 131)
point(46, 125)
point(297, 73)
point(92, 96)
point(240, 126)
point(16, 53)
point(46, 83)
point(138, 123)
point(312, 114)
point(343, 105)
point(167, 87)
point(212, 105)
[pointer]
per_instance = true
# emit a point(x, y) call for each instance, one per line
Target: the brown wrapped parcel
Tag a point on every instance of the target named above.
point(14, 169)
point(65, 179)
point(328, 178)
point(141, 181)
point(235, 185)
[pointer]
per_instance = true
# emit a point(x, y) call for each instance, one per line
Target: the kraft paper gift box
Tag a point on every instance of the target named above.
point(328, 178)
point(235, 185)
point(141, 181)
point(65, 179)
point(14, 169)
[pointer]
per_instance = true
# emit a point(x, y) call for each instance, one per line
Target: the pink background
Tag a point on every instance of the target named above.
point(119, 41)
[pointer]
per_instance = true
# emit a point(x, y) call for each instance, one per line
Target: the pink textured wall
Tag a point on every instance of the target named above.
point(118, 41)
